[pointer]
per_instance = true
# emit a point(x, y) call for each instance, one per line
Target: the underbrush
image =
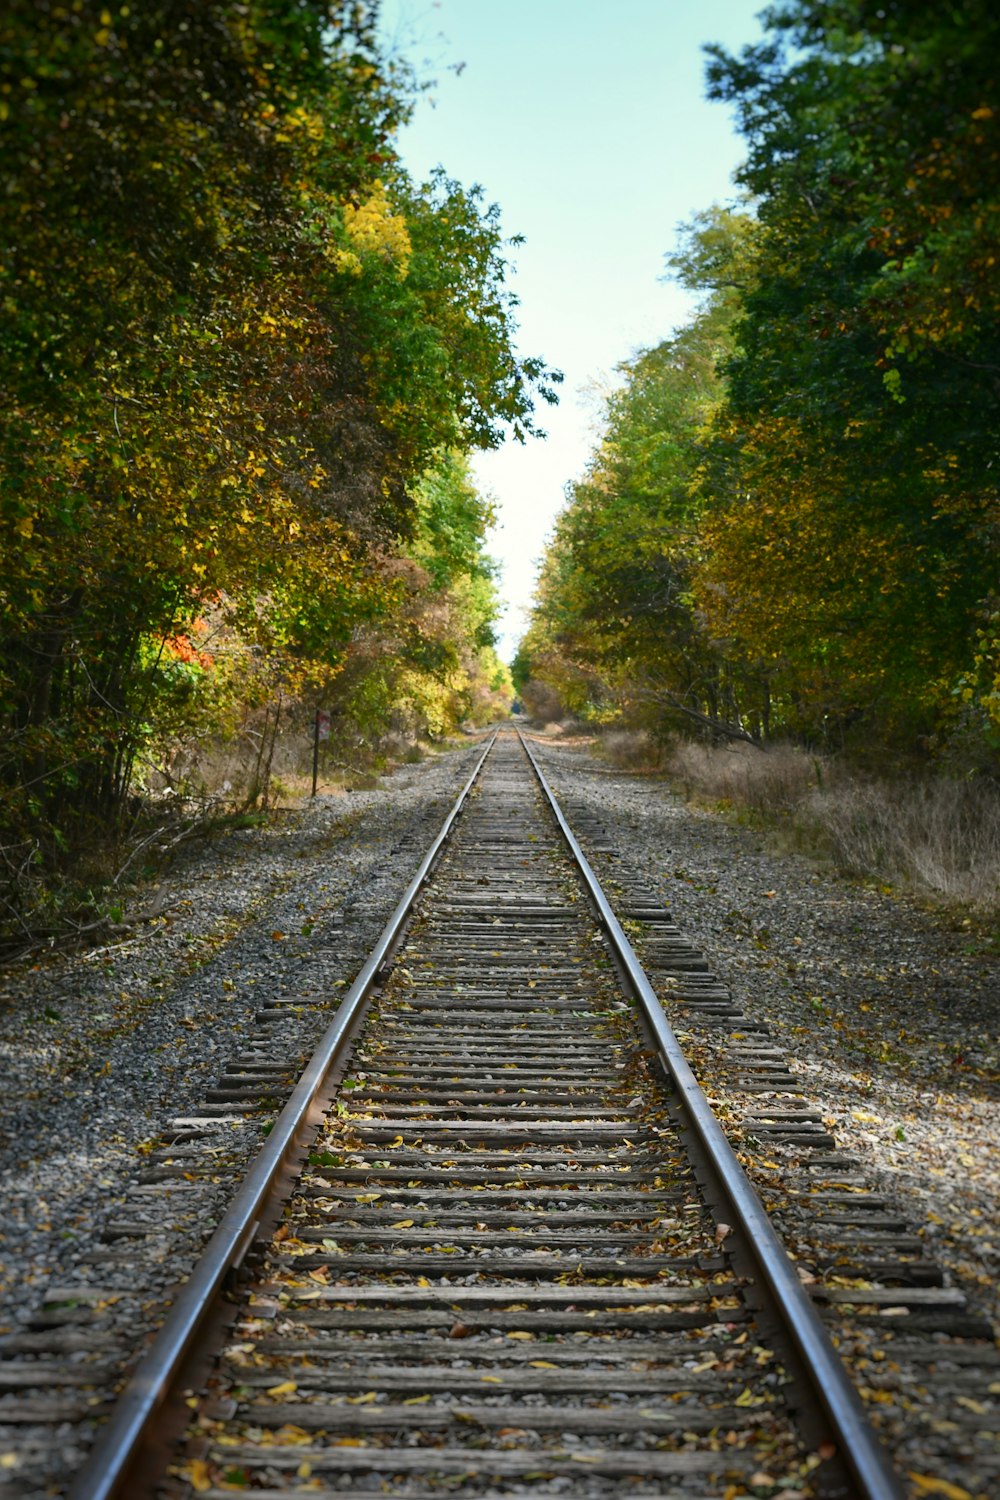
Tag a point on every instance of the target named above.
point(84, 887)
point(937, 836)
point(778, 779)
point(632, 750)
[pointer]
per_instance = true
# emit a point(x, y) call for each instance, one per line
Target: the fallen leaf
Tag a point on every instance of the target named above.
point(746, 1397)
point(200, 1475)
point(928, 1485)
point(286, 1388)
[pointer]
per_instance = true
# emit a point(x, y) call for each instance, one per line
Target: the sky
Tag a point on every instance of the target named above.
point(586, 121)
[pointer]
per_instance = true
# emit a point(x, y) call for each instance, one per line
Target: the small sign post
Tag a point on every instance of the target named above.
point(321, 731)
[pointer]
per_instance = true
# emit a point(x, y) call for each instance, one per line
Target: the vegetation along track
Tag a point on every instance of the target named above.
point(520, 1258)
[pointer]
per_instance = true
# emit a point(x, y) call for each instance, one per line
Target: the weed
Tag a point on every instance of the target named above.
point(632, 750)
point(937, 836)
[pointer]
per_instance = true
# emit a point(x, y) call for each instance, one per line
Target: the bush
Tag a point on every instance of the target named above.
point(542, 702)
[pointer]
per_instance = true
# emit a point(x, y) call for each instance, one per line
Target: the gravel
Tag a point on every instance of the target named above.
point(99, 1049)
point(889, 1013)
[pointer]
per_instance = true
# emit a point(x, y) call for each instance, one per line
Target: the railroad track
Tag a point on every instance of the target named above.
point(504, 1249)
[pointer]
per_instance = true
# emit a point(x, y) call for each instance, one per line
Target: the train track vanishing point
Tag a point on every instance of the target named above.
point(509, 1251)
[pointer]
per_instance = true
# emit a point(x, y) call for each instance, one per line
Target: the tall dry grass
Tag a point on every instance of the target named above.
point(632, 750)
point(939, 837)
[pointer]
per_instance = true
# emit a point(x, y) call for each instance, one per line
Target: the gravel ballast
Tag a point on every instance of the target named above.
point(888, 1014)
point(101, 1048)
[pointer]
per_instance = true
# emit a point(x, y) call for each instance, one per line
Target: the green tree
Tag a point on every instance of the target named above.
point(233, 333)
point(853, 540)
point(616, 620)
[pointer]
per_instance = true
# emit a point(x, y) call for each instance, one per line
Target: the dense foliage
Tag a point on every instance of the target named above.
point(807, 525)
point(233, 337)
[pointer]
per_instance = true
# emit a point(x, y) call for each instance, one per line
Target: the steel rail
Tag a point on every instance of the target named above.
point(857, 1443)
point(113, 1459)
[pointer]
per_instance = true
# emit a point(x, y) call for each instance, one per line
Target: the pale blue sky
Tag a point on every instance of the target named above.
point(586, 121)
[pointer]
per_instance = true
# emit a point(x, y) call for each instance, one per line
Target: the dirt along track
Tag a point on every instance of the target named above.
point(531, 1154)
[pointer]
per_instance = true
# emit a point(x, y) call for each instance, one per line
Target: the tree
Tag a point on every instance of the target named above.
point(854, 509)
point(616, 619)
point(233, 335)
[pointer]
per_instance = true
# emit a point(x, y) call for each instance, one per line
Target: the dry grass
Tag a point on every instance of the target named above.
point(939, 837)
point(632, 750)
point(766, 781)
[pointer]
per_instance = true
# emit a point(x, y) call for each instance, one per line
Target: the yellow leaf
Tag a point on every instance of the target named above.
point(365, 1400)
point(491, 1379)
point(286, 1388)
point(520, 1333)
point(402, 1224)
point(304, 1470)
point(543, 1364)
point(928, 1485)
point(416, 1400)
point(198, 1473)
